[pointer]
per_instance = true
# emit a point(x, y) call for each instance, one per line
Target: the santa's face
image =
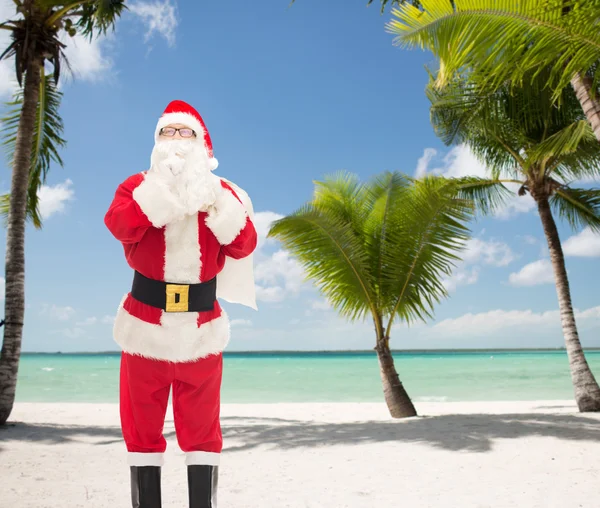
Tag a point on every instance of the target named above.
point(177, 152)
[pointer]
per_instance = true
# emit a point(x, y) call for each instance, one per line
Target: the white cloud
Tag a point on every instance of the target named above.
point(262, 222)
point(241, 323)
point(87, 60)
point(270, 294)
point(584, 244)
point(108, 320)
point(491, 252)
point(8, 83)
point(278, 276)
point(593, 313)
point(53, 199)
point(533, 274)
point(493, 321)
point(320, 305)
point(423, 162)
point(57, 312)
point(478, 252)
point(88, 322)
point(159, 17)
point(460, 161)
point(73, 333)
point(462, 276)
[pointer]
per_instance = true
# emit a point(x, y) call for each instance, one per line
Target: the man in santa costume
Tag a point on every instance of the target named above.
point(188, 237)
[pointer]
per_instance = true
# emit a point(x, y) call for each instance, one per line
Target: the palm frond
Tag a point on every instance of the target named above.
point(463, 112)
point(388, 259)
point(562, 142)
point(385, 3)
point(502, 41)
point(426, 232)
point(98, 16)
point(581, 165)
point(333, 256)
point(343, 197)
point(386, 191)
point(487, 195)
point(579, 207)
point(47, 141)
point(517, 132)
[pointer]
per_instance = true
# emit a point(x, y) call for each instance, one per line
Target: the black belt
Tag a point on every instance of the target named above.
point(174, 297)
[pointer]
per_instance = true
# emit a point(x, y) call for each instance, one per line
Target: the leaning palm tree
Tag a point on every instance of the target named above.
point(506, 41)
point(380, 250)
point(36, 30)
point(524, 139)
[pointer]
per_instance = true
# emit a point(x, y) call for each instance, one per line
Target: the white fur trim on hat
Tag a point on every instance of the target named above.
point(177, 339)
point(184, 118)
point(228, 217)
point(213, 164)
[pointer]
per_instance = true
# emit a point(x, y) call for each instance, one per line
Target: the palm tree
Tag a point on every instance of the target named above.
point(379, 250)
point(35, 31)
point(47, 139)
point(523, 138)
point(504, 42)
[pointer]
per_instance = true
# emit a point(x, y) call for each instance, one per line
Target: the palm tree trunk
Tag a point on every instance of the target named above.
point(589, 102)
point(587, 391)
point(396, 398)
point(14, 304)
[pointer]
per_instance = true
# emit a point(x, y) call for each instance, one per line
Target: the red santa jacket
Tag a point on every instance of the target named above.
point(162, 243)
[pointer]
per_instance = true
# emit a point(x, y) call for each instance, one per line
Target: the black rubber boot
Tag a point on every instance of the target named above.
point(145, 487)
point(202, 486)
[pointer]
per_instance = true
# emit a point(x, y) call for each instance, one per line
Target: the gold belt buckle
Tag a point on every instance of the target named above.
point(177, 298)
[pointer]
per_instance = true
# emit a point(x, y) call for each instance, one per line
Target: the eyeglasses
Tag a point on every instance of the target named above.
point(183, 131)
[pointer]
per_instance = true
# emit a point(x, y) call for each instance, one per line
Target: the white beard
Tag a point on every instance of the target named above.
point(185, 166)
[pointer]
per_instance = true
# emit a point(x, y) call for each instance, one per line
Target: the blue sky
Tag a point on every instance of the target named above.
point(289, 94)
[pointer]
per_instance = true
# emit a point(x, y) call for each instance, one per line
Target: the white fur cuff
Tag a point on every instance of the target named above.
point(157, 201)
point(227, 218)
point(145, 459)
point(202, 459)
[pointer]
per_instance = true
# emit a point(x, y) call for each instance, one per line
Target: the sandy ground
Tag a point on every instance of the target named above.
point(456, 455)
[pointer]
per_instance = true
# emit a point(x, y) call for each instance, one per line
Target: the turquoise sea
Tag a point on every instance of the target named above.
point(323, 377)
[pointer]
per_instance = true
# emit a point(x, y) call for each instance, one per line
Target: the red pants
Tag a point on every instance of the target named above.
point(144, 395)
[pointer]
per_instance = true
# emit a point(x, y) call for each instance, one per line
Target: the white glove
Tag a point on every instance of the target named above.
point(171, 167)
point(198, 190)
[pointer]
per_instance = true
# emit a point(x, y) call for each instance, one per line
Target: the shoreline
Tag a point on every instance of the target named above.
point(558, 349)
point(538, 454)
point(433, 408)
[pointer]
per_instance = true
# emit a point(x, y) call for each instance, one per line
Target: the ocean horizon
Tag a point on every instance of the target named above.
point(324, 376)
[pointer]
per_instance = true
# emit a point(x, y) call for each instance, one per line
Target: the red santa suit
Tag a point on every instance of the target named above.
point(175, 248)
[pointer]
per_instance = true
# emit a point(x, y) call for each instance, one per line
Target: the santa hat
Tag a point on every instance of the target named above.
point(182, 112)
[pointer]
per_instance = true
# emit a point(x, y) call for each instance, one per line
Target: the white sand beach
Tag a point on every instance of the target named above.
point(479, 455)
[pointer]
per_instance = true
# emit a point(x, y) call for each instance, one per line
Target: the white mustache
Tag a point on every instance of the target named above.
point(181, 156)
